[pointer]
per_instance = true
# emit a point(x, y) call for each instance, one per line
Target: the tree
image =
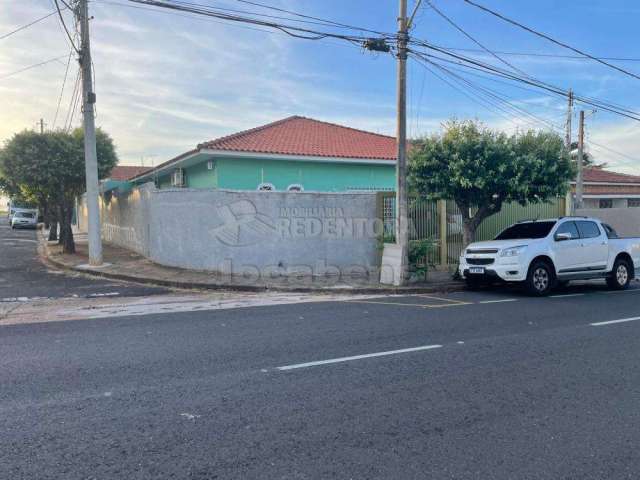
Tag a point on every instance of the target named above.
point(481, 169)
point(50, 168)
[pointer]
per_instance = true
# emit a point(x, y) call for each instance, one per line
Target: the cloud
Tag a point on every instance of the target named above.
point(166, 82)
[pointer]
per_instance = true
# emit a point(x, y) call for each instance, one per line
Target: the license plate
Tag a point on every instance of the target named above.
point(476, 270)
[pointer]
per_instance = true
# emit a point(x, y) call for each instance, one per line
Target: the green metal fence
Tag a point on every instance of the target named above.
point(441, 222)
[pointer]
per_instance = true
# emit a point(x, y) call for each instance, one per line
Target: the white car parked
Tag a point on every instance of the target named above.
point(24, 219)
point(544, 253)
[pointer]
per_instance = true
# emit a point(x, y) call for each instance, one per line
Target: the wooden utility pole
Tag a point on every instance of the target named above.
point(580, 162)
point(90, 153)
point(402, 217)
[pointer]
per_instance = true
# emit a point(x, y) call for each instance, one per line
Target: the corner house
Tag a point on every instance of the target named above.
point(293, 154)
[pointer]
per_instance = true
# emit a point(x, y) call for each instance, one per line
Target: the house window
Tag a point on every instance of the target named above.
point(178, 178)
point(606, 203)
point(633, 202)
point(295, 187)
point(266, 187)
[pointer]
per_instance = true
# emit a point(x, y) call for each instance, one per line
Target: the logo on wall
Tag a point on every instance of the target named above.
point(242, 224)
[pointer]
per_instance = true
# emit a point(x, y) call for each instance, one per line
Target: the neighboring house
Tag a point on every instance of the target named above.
point(605, 189)
point(292, 154)
point(120, 176)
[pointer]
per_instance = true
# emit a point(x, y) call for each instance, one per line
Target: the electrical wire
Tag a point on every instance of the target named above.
point(470, 37)
point(331, 22)
point(64, 82)
point(19, 29)
point(64, 25)
point(2, 77)
point(74, 94)
point(491, 69)
point(538, 54)
point(292, 30)
point(552, 40)
point(498, 101)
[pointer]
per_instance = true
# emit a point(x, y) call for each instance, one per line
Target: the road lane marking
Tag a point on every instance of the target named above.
point(387, 303)
point(447, 305)
point(442, 299)
point(357, 357)
point(418, 305)
point(631, 290)
point(568, 295)
point(499, 301)
point(611, 322)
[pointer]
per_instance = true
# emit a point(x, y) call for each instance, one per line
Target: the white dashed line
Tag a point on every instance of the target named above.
point(499, 301)
point(568, 295)
point(611, 322)
point(357, 357)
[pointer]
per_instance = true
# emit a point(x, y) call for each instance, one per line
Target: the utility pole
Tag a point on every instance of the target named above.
point(90, 153)
point(402, 218)
point(41, 123)
point(567, 140)
point(580, 162)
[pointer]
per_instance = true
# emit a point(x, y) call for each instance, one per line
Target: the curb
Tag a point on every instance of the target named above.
point(45, 257)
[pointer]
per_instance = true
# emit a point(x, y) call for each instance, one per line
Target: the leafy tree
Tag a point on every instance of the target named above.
point(50, 168)
point(481, 169)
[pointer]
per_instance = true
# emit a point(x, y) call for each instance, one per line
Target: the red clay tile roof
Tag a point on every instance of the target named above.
point(307, 137)
point(125, 172)
point(604, 176)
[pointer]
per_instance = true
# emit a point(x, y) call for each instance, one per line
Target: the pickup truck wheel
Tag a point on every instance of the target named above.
point(620, 275)
point(540, 279)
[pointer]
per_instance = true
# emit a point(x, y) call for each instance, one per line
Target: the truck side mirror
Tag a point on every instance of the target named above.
point(561, 237)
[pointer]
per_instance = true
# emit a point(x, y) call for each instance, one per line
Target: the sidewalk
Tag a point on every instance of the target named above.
point(122, 264)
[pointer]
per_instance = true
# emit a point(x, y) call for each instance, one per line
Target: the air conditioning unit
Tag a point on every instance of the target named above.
point(178, 178)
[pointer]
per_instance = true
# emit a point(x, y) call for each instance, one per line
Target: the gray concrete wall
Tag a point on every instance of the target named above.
point(626, 221)
point(246, 232)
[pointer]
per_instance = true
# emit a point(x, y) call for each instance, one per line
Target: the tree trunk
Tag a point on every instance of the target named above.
point(51, 222)
point(468, 231)
point(53, 230)
point(66, 233)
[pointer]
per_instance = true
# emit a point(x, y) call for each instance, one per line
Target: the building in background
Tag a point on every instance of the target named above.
point(606, 189)
point(293, 154)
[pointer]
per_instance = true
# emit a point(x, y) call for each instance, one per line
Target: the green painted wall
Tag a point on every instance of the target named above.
point(247, 174)
point(198, 176)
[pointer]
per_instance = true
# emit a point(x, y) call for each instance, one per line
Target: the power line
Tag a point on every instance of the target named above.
point(32, 66)
point(64, 25)
point(552, 40)
point(539, 54)
point(72, 105)
point(64, 81)
point(6, 35)
point(470, 37)
point(302, 17)
point(493, 70)
point(624, 155)
point(503, 104)
point(292, 30)
point(464, 91)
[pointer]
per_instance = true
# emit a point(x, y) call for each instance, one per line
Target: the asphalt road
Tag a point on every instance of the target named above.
point(497, 386)
point(23, 275)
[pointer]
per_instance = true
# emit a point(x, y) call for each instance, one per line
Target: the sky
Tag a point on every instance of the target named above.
point(166, 82)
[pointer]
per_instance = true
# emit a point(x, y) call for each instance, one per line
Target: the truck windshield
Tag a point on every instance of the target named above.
point(526, 230)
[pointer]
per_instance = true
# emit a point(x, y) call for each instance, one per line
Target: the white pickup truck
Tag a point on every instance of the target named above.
point(545, 253)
